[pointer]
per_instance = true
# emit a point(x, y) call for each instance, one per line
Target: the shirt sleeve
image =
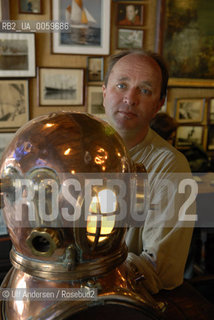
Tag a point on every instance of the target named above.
point(160, 248)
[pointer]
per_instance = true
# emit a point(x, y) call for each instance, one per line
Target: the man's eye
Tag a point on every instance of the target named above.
point(121, 86)
point(145, 91)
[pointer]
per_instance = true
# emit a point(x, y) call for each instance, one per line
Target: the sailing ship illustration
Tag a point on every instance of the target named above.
point(78, 16)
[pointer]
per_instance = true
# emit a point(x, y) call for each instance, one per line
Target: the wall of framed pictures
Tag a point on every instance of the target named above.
point(57, 50)
point(114, 31)
point(185, 40)
point(52, 70)
point(125, 24)
point(193, 109)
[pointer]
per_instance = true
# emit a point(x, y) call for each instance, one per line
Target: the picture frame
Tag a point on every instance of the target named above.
point(91, 36)
point(61, 86)
point(189, 110)
point(3, 228)
point(130, 38)
point(17, 57)
point(210, 139)
point(95, 102)
point(130, 14)
point(30, 6)
point(4, 10)
point(186, 135)
point(5, 139)
point(211, 111)
point(184, 38)
point(14, 103)
point(95, 68)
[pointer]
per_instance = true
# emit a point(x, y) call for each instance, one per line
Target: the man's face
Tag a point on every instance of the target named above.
point(130, 12)
point(132, 95)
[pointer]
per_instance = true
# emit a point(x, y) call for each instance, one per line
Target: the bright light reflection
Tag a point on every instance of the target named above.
point(19, 303)
point(67, 152)
point(49, 125)
point(107, 224)
point(101, 157)
point(104, 202)
point(108, 201)
point(92, 224)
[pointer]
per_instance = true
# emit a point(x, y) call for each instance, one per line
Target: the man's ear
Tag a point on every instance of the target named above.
point(160, 104)
point(104, 90)
point(158, 107)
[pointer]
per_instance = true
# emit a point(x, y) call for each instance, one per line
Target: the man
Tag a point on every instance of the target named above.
point(134, 91)
point(132, 17)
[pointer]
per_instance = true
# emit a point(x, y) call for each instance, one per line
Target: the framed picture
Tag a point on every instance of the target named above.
point(88, 24)
point(3, 228)
point(130, 14)
point(95, 101)
point(210, 140)
point(186, 135)
point(189, 110)
point(95, 69)
point(4, 10)
point(17, 58)
point(185, 39)
point(30, 6)
point(14, 103)
point(129, 38)
point(61, 86)
point(211, 110)
point(5, 139)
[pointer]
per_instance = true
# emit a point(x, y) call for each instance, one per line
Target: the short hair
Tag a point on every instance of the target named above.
point(163, 124)
point(155, 56)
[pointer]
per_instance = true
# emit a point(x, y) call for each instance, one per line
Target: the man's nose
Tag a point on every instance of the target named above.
point(130, 97)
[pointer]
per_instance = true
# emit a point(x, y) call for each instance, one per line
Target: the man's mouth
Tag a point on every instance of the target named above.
point(127, 114)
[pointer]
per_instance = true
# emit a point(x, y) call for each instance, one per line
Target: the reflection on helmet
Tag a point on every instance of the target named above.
point(50, 164)
point(98, 207)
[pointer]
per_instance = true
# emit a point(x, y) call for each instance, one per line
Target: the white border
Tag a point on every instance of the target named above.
point(25, 118)
point(31, 72)
point(105, 33)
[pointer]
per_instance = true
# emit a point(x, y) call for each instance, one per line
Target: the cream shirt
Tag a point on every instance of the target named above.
point(160, 247)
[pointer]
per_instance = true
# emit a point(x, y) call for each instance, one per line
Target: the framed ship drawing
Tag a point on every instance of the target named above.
point(86, 26)
point(61, 86)
point(17, 55)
